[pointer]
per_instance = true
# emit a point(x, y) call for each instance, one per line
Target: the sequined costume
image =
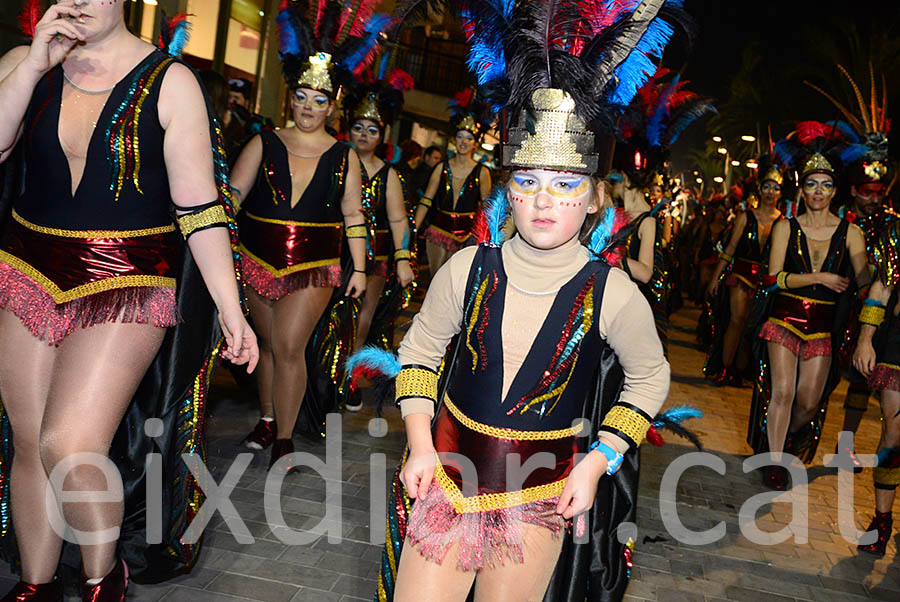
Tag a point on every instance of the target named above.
point(285, 247)
point(810, 322)
point(381, 246)
point(886, 257)
point(749, 264)
point(657, 290)
point(452, 218)
point(110, 253)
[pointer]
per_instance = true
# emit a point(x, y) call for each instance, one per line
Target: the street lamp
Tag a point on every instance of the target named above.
point(723, 150)
point(752, 164)
point(699, 180)
point(748, 138)
point(736, 163)
point(717, 139)
point(718, 179)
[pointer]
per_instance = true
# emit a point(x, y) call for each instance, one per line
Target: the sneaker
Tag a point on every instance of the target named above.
point(261, 436)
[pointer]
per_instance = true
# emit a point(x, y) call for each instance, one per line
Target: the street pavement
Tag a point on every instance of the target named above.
point(824, 568)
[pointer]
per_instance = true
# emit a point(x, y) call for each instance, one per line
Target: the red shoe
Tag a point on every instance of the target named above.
point(34, 592)
point(261, 436)
point(883, 523)
point(111, 589)
point(281, 448)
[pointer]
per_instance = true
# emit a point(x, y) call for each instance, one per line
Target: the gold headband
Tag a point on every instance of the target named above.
point(560, 142)
point(658, 180)
point(468, 124)
point(816, 164)
point(773, 174)
point(368, 109)
point(317, 75)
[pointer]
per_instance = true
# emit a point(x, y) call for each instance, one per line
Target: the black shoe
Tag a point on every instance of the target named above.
point(883, 523)
point(281, 448)
point(34, 592)
point(775, 477)
point(262, 435)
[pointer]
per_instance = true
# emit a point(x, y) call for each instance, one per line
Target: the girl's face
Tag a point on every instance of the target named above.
point(817, 191)
point(656, 193)
point(770, 191)
point(549, 207)
point(310, 108)
point(465, 142)
point(365, 135)
point(97, 17)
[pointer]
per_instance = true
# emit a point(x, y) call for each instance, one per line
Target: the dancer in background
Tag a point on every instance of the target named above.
point(457, 186)
point(103, 300)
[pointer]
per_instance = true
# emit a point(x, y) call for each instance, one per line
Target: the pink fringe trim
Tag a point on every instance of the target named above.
point(442, 240)
point(884, 378)
point(784, 337)
point(484, 538)
point(270, 287)
point(52, 322)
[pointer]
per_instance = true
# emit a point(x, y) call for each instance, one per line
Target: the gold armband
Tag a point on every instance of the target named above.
point(210, 215)
point(358, 231)
point(628, 422)
point(417, 381)
point(401, 254)
point(781, 280)
point(726, 257)
point(872, 315)
point(425, 201)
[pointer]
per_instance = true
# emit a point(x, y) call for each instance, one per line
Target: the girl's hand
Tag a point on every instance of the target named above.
point(864, 358)
point(54, 36)
point(581, 486)
point(404, 273)
point(240, 340)
point(357, 285)
point(836, 283)
point(418, 473)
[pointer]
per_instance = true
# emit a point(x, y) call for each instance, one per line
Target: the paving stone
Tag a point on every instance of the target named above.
point(253, 588)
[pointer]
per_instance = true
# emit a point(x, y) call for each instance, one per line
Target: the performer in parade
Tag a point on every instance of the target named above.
point(458, 185)
point(744, 257)
point(300, 199)
point(815, 259)
point(546, 331)
point(372, 108)
point(882, 368)
point(114, 316)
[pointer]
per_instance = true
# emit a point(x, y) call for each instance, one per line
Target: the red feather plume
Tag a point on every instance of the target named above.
point(807, 131)
point(29, 17)
point(480, 229)
point(400, 80)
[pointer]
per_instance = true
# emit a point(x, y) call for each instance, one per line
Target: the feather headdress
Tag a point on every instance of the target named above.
point(815, 147)
point(469, 113)
point(323, 44)
point(29, 17)
point(867, 151)
point(174, 33)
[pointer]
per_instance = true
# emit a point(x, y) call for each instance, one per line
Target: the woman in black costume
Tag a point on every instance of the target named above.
point(116, 133)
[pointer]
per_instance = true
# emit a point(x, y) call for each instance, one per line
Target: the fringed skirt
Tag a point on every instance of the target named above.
point(886, 375)
point(274, 288)
point(450, 230)
point(805, 349)
point(56, 281)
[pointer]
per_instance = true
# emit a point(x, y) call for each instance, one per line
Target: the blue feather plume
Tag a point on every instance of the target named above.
point(180, 37)
point(655, 123)
point(658, 207)
point(678, 414)
point(785, 151)
point(853, 153)
point(288, 42)
point(486, 58)
point(639, 66)
point(378, 23)
point(496, 213)
point(683, 121)
point(603, 232)
point(383, 67)
point(375, 358)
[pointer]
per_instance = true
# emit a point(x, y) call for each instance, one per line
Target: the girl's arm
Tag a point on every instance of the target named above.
point(243, 174)
point(428, 197)
point(399, 224)
point(736, 232)
point(351, 207)
point(642, 268)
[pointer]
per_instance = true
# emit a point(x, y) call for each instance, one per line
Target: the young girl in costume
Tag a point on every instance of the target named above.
point(556, 353)
point(104, 315)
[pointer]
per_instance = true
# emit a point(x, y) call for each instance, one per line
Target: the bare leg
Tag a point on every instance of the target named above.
point(420, 579)
point(24, 382)
point(261, 310)
point(96, 373)
point(294, 320)
point(374, 288)
point(527, 582)
point(890, 437)
point(737, 301)
point(783, 372)
point(810, 386)
point(437, 256)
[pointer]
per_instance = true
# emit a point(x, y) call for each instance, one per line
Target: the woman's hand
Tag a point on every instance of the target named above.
point(418, 472)
point(713, 287)
point(836, 283)
point(404, 273)
point(864, 358)
point(581, 486)
point(54, 36)
point(240, 340)
point(357, 285)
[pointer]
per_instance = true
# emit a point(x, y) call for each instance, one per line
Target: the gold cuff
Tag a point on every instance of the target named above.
point(358, 231)
point(425, 201)
point(726, 257)
point(201, 219)
point(400, 254)
point(872, 315)
point(629, 423)
point(781, 280)
point(886, 478)
point(417, 381)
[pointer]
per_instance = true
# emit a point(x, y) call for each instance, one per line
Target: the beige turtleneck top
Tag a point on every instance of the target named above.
point(535, 277)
